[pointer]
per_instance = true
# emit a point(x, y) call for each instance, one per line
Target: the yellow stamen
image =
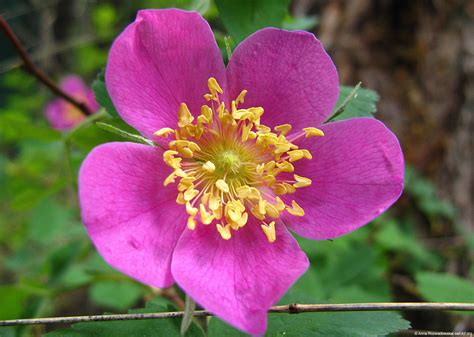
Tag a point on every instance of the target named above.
point(164, 132)
point(311, 132)
point(184, 116)
point(283, 129)
point(295, 210)
point(301, 181)
point(224, 231)
point(228, 166)
point(208, 166)
point(222, 185)
point(269, 231)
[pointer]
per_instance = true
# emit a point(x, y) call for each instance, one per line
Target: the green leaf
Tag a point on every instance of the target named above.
point(118, 295)
point(102, 96)
point(242, 18)
point(320, 324)
point(49, 221)
point(189, 308)
point(438, 287)
point(15, 126)
point(124, 134)
point(12, 300)
point(355, 102)
point(137, 328)
point(300, 23)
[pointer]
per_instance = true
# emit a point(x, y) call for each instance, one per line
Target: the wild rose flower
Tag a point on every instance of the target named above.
point(61, 114)
point(244, 158)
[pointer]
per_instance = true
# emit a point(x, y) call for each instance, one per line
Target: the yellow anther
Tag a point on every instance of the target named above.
point(246, 131)
point(301, 181)
point(241, 97)
point(252, 135)
point(269, 179)
point(243, 191)
point(307, 154)
point(190, 193)
point(262, 206)
point(206, 112)
point(191, 223)
point(280, 189)
point(180, 173)
point(184, 116)
point(269, 231)
point(209, 167)
point(285, 166)
point(186, 152)
point(169, 179)
point(218, 212)
point(289, 188)
point(259, 168)
point(269, 166)
point(169, 155)
point(190, 209)
point(282, 148)
point(295, 155)
point(283, 129)
point(271, 210)
point(311, 132)
point(254, 194)
point(280, 205)
point(224, 231)
point(254, 210)
point(214, 87)
point(295, 209)
point(214, 202)
point(242, 114)
point(164, 132)
point(263, 129)
point(222, 185)
point(206, 217)
point(180, 198)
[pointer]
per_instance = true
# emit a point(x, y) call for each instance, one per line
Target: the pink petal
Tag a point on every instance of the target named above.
point(75, 86)
point(131, 218)
point(357, 172)
point(62, 116)
point(162, 59)
point(241, 278)
point(287, 73)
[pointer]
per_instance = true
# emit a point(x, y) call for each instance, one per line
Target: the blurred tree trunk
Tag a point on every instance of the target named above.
point(419, 55)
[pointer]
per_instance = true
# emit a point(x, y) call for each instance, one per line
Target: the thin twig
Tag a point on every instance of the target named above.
point(35, 71)
point(289, 308)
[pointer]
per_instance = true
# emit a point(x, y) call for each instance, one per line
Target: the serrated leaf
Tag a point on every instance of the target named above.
point(242, 18)
point(439, 287)
point(320, 324)
point(102, 96)
point(361, 104)
point(137, 328)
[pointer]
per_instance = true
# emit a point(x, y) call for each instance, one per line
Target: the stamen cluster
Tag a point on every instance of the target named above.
point(230, 166)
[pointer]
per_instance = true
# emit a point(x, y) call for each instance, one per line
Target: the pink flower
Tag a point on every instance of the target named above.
point(61, 114)
point(238, 175)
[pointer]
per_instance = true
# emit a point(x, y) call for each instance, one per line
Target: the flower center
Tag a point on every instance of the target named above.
point(231, 167)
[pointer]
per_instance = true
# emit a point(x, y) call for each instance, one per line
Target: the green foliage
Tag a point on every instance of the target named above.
point(142, 328)
point(355, 102)
point(437, 287)
point(242, 18)
point(104, 293)
point(101, 94)
point(350, 324)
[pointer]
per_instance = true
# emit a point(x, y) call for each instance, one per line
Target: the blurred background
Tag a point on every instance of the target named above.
point(418, 56)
